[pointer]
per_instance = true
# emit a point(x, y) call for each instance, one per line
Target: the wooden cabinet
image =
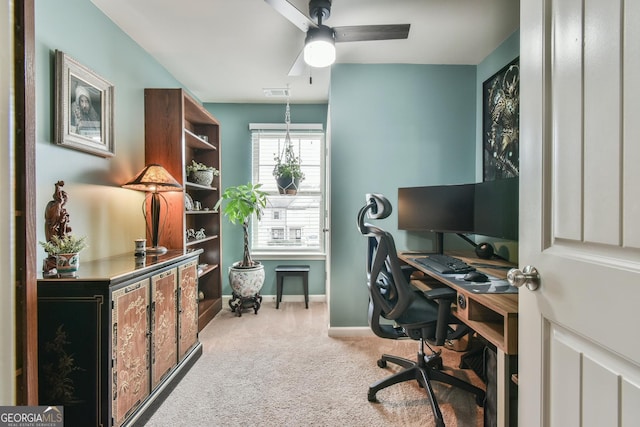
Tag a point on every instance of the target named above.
point(187, 307)
point(130, 349)
point(178, 130)
point(164, 315)
point(114, 337)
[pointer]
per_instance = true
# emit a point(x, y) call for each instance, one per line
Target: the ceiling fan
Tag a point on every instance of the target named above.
point(319, 48)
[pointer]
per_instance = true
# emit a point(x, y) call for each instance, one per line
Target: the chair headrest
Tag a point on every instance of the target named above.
point(377, 207)
point(381, 208)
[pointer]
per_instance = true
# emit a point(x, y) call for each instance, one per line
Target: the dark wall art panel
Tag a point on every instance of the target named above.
point(501, 121)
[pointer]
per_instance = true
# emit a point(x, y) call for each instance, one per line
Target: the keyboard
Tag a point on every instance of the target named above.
point(444, 264)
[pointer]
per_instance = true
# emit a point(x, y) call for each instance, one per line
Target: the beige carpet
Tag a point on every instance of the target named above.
point(280, 368)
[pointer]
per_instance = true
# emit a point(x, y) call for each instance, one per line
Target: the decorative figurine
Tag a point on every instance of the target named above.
point(200, 234)
point(191, 233)
point(56, 220)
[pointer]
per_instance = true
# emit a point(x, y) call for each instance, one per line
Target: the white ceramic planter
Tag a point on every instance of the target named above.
point(246, 281)
point(202, 177)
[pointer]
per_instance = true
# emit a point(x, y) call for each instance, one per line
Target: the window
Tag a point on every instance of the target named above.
point(295, 233)
point(277, 233)
point(290, 223)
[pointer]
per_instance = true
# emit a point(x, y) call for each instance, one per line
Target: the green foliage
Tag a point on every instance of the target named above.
point(64, 245)
point(243, 201)
point(288, 164)
point(196, 166)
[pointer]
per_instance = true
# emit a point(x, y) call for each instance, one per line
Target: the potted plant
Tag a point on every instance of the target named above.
point(287, 170)
point(200, 173)
point(246, 277)
point(66, 252)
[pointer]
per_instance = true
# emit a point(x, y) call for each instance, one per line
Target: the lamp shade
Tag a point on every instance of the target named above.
point(153, 179)
point(319, 47)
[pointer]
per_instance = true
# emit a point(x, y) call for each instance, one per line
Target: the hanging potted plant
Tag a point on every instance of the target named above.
point(200, 173)
point(66, 251)
point(246, 277)
point(287, 170)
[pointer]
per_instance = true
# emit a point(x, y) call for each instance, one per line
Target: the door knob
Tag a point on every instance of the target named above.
point(528, 276)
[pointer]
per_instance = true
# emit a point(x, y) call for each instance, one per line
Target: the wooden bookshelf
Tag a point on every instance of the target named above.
point(178, 130)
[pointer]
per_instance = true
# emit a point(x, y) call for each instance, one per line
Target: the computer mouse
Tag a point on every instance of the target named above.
point(476, 276)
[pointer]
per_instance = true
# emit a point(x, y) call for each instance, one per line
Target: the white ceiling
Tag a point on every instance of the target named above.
point(229, 50)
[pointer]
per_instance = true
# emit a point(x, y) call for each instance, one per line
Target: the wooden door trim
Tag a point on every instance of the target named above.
point(25, 247)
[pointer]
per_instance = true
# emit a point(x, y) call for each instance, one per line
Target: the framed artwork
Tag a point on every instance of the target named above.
point(84, 108)
point(501, 123)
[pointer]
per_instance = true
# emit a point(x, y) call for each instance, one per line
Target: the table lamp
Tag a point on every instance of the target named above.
point(154, 179)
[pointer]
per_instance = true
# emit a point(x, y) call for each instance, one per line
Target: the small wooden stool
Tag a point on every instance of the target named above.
point(283, 271)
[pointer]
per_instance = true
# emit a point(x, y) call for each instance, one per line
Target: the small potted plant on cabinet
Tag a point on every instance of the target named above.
point(66, 251)
point(200, 173)
point(287, 171)
point(246, 277)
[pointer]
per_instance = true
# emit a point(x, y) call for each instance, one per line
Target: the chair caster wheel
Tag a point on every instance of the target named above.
point(382, 363)
point(371, 397)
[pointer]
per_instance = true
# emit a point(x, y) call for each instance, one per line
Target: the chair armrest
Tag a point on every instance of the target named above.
point(444, 297)
point(407, 271)
point(440, 293)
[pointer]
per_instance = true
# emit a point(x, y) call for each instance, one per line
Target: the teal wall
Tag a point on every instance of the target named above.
point(395, 126)
point(391, 126)
point(236, 169)
point(108, 215)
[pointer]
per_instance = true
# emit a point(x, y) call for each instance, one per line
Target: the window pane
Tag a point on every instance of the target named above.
point(297, 223)
point(290, 223)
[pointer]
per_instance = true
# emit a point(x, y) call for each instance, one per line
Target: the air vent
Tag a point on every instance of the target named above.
point(276, 92)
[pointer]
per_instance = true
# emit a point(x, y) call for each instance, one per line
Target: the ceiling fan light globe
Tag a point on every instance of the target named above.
point(319, 47)
point(319, 53)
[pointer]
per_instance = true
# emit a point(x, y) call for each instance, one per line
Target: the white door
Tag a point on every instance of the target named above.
point(579, 355)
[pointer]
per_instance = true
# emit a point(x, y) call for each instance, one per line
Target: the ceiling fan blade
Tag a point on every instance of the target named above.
point(298, 66)
point(289, 11)
point(371, 32)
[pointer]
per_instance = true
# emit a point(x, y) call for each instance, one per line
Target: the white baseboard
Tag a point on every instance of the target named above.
point(356, 331)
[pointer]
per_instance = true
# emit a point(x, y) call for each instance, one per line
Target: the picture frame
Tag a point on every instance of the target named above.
point(501, 122)
point(83, 108)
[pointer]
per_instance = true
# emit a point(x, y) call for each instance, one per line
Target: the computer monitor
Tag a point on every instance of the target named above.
point(496, 209)
point(487, 208)
point(440, 208)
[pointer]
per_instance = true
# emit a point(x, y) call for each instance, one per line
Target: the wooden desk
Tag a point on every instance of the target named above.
point(492, 316)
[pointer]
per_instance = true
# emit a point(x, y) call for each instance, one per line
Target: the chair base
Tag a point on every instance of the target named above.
point(424, 370)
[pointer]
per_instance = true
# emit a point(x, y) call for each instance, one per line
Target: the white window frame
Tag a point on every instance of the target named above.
point(298, 247)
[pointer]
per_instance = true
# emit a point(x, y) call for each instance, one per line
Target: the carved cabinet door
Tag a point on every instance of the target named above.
point(164, 346)
point(130, 342)
point(188, 306)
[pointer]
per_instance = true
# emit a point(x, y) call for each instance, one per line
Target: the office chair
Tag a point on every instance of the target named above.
point(421, 316)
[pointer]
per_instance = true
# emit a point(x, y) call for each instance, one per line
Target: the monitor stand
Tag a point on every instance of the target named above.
point(439, 242)
point(466, 239)
point(475, 245)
